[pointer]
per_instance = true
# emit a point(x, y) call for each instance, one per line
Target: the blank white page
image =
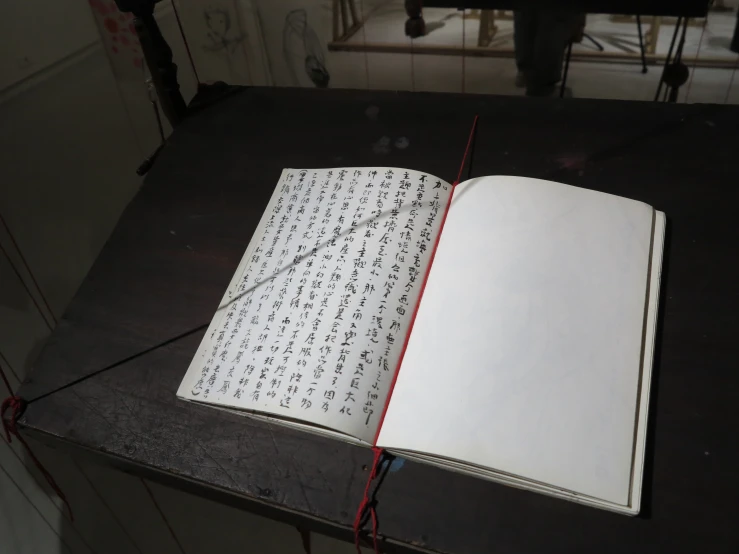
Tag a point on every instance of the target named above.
point(525, 354)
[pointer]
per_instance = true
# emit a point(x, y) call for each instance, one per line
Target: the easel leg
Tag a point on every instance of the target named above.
point(676, 78)
point(668, 58)
point(567, 69)
point(641, 45)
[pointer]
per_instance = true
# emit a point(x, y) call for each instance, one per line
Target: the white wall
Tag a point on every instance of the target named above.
point(76, 122)
point(35, 34)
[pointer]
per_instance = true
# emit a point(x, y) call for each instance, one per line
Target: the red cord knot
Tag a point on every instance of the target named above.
point(466, 150)
point(367, 504)
point(16, 405)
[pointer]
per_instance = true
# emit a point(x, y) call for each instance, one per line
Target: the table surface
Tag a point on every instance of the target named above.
point(172, 254)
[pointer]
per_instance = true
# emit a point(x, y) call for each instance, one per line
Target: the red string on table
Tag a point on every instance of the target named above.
point(466, 152)
point(366, 504)
point(16, 405)
point(378, 452)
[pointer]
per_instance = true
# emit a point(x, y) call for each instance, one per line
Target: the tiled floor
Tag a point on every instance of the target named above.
point(494, 75)
point(385, 19)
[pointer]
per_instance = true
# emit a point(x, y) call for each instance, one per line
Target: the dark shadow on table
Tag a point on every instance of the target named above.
point(648, 475)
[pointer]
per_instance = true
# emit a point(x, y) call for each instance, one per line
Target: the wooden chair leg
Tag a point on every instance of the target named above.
point(641, 45)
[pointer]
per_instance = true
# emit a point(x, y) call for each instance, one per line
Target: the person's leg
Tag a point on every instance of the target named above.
point(554, 30)
point(524, 42)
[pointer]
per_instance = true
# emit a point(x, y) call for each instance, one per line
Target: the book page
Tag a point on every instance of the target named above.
point(525, 354)
point(312, 325)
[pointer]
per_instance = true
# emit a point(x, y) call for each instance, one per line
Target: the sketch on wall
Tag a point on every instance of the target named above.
point(226, 41)
point(295, 35)
point(302, 50)
point(222, 37)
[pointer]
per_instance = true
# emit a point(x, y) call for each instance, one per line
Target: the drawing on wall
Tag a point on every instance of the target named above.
point(221, 36)
point(301, 47)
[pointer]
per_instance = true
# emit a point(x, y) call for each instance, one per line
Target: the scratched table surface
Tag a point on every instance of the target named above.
point(171, 256)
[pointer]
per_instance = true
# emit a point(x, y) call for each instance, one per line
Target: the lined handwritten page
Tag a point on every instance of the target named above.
point(312, 325)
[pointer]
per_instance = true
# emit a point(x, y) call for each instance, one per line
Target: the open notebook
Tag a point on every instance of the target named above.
point(526, 358)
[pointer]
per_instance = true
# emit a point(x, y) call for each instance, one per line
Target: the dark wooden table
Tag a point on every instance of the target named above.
point(173, 252)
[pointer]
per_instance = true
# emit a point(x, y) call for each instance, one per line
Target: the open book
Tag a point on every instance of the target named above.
point(522, 354)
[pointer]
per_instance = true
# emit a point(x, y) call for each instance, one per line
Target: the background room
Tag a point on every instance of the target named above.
point(80, 114)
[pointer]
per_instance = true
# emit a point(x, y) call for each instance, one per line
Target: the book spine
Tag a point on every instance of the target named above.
point(470, 142)
point(413, 317)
